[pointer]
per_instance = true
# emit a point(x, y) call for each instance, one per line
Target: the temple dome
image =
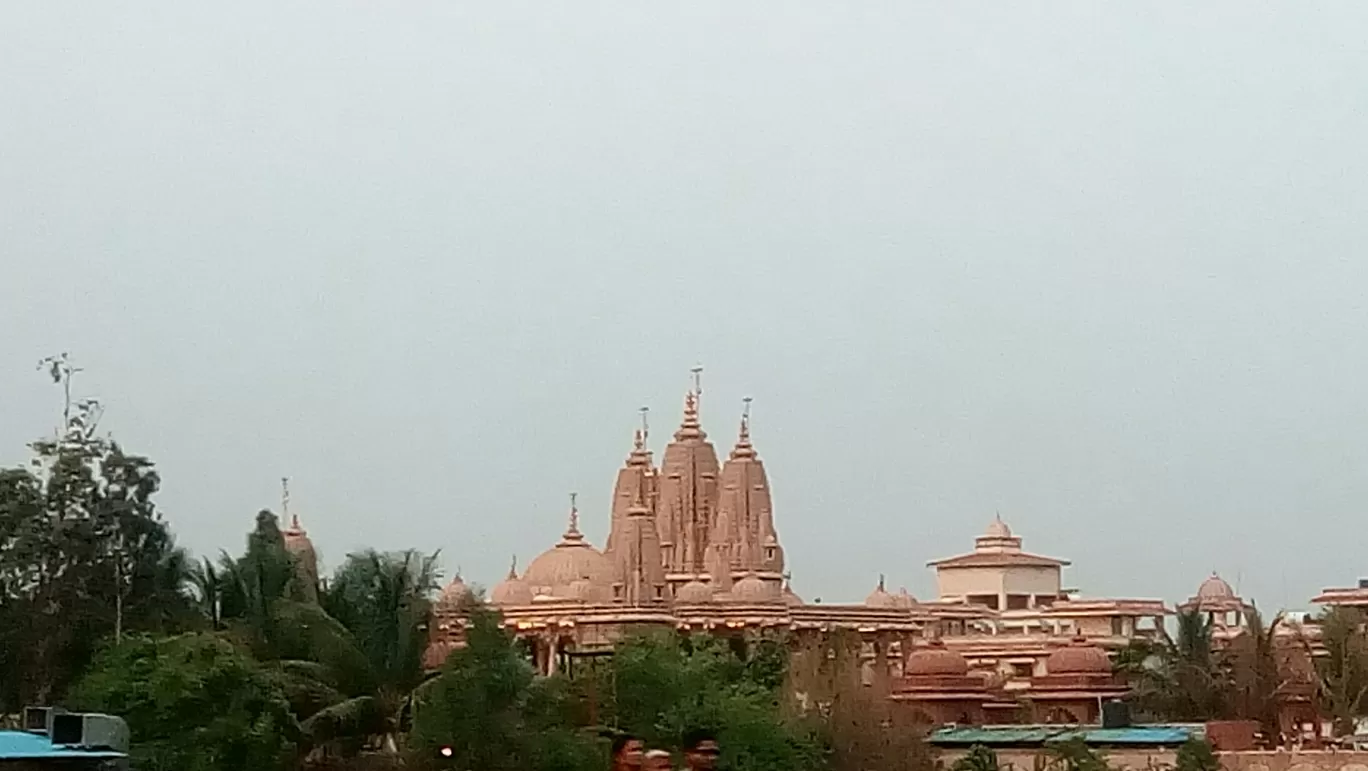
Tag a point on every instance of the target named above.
point(791, 597)
point(694, 593)
point(552, 572)
point(1215, 588)
point(751, 588)
point(936, 659)
point(1080, 657)
point(880, 598)
point(455, 593)
point(582, 589)
point(512, 590)
point(903, 599)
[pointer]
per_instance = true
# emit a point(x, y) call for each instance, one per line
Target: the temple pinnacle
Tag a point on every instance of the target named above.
point(572, 533)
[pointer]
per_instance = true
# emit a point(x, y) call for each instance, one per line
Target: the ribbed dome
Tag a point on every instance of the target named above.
point(935, 659)
point(552, 572)
point(512, 590)
point(694, 593)
point(1080, 657)
point(581, 589)
point(750, 589)
point(1215, 588)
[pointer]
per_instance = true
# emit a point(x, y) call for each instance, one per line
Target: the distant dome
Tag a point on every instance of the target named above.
point(512, 590)
point(752, 589)
point(880, 598)
point(694, 593)
point(455, 593)
point(935, 659)
point(1215, 588)
point(1080, 657)
point(791, 597)
point(573, 558)
point(904, 600)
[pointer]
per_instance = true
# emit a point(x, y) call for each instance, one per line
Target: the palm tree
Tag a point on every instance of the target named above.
point(1177, 677)
point(1255, 678)
point(382, 600)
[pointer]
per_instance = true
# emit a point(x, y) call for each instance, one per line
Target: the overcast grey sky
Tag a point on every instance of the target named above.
point(1099, 266)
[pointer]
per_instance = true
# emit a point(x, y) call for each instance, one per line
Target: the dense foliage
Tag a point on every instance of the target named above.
point(196, 703)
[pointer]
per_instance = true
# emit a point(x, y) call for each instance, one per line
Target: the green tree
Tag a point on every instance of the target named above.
point(84, 553)
point(193, 703)
point(494, 714)
point(665, 684)
point(978, 758)
point(1076, 755)
point(1196, 755)
point(1343, 670)
point(1177, 677)
point(382, 600)
point(1255, 677)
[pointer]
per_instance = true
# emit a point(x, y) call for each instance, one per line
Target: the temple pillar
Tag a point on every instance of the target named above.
point(552, 655)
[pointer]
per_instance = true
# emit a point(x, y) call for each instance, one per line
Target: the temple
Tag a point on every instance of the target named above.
point(693, 546)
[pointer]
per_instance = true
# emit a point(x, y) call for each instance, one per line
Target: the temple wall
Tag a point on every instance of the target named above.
point(959, 582)
point(1032, 580)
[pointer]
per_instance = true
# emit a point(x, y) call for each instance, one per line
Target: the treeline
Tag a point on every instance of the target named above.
point(243, 662)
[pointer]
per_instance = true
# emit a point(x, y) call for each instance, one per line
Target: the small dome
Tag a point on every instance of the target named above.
point(751, 588)
point(998, 529)
point(1079, 657)
point(904, 600)
point(455, 593)
point(512, 590)
point(880, 598)
point(791, 597)
point(694, 593)
point(936, 659)
point(1215, 588)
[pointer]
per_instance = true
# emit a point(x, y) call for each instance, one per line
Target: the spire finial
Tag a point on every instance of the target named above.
point(881, 582)
point(698, 379)
point(638, 441)
point(513, 568)
point(285, 504)
point(574, 513)
point(745, 419)
point(645, 424)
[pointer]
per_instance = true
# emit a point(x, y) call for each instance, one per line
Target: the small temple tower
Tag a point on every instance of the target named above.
point(743, 531)
point(299, 546)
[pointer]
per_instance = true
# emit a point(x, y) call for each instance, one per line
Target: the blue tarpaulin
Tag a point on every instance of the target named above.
point(21, 745)
point(1041, 734)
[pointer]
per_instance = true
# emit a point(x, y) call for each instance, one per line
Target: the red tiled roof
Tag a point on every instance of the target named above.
point(998, 559)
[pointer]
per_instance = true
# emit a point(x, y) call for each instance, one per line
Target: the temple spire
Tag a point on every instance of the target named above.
point(513, 568)
point(572, 532)
point(690, 427)
point(743, 448)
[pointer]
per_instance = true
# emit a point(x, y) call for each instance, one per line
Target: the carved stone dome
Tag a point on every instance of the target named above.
point(1215, 588)
point(694, 593)
point(1079, 657)
point(552, 572)
point(936, 659)
point(998, 529)
point(581, 589)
